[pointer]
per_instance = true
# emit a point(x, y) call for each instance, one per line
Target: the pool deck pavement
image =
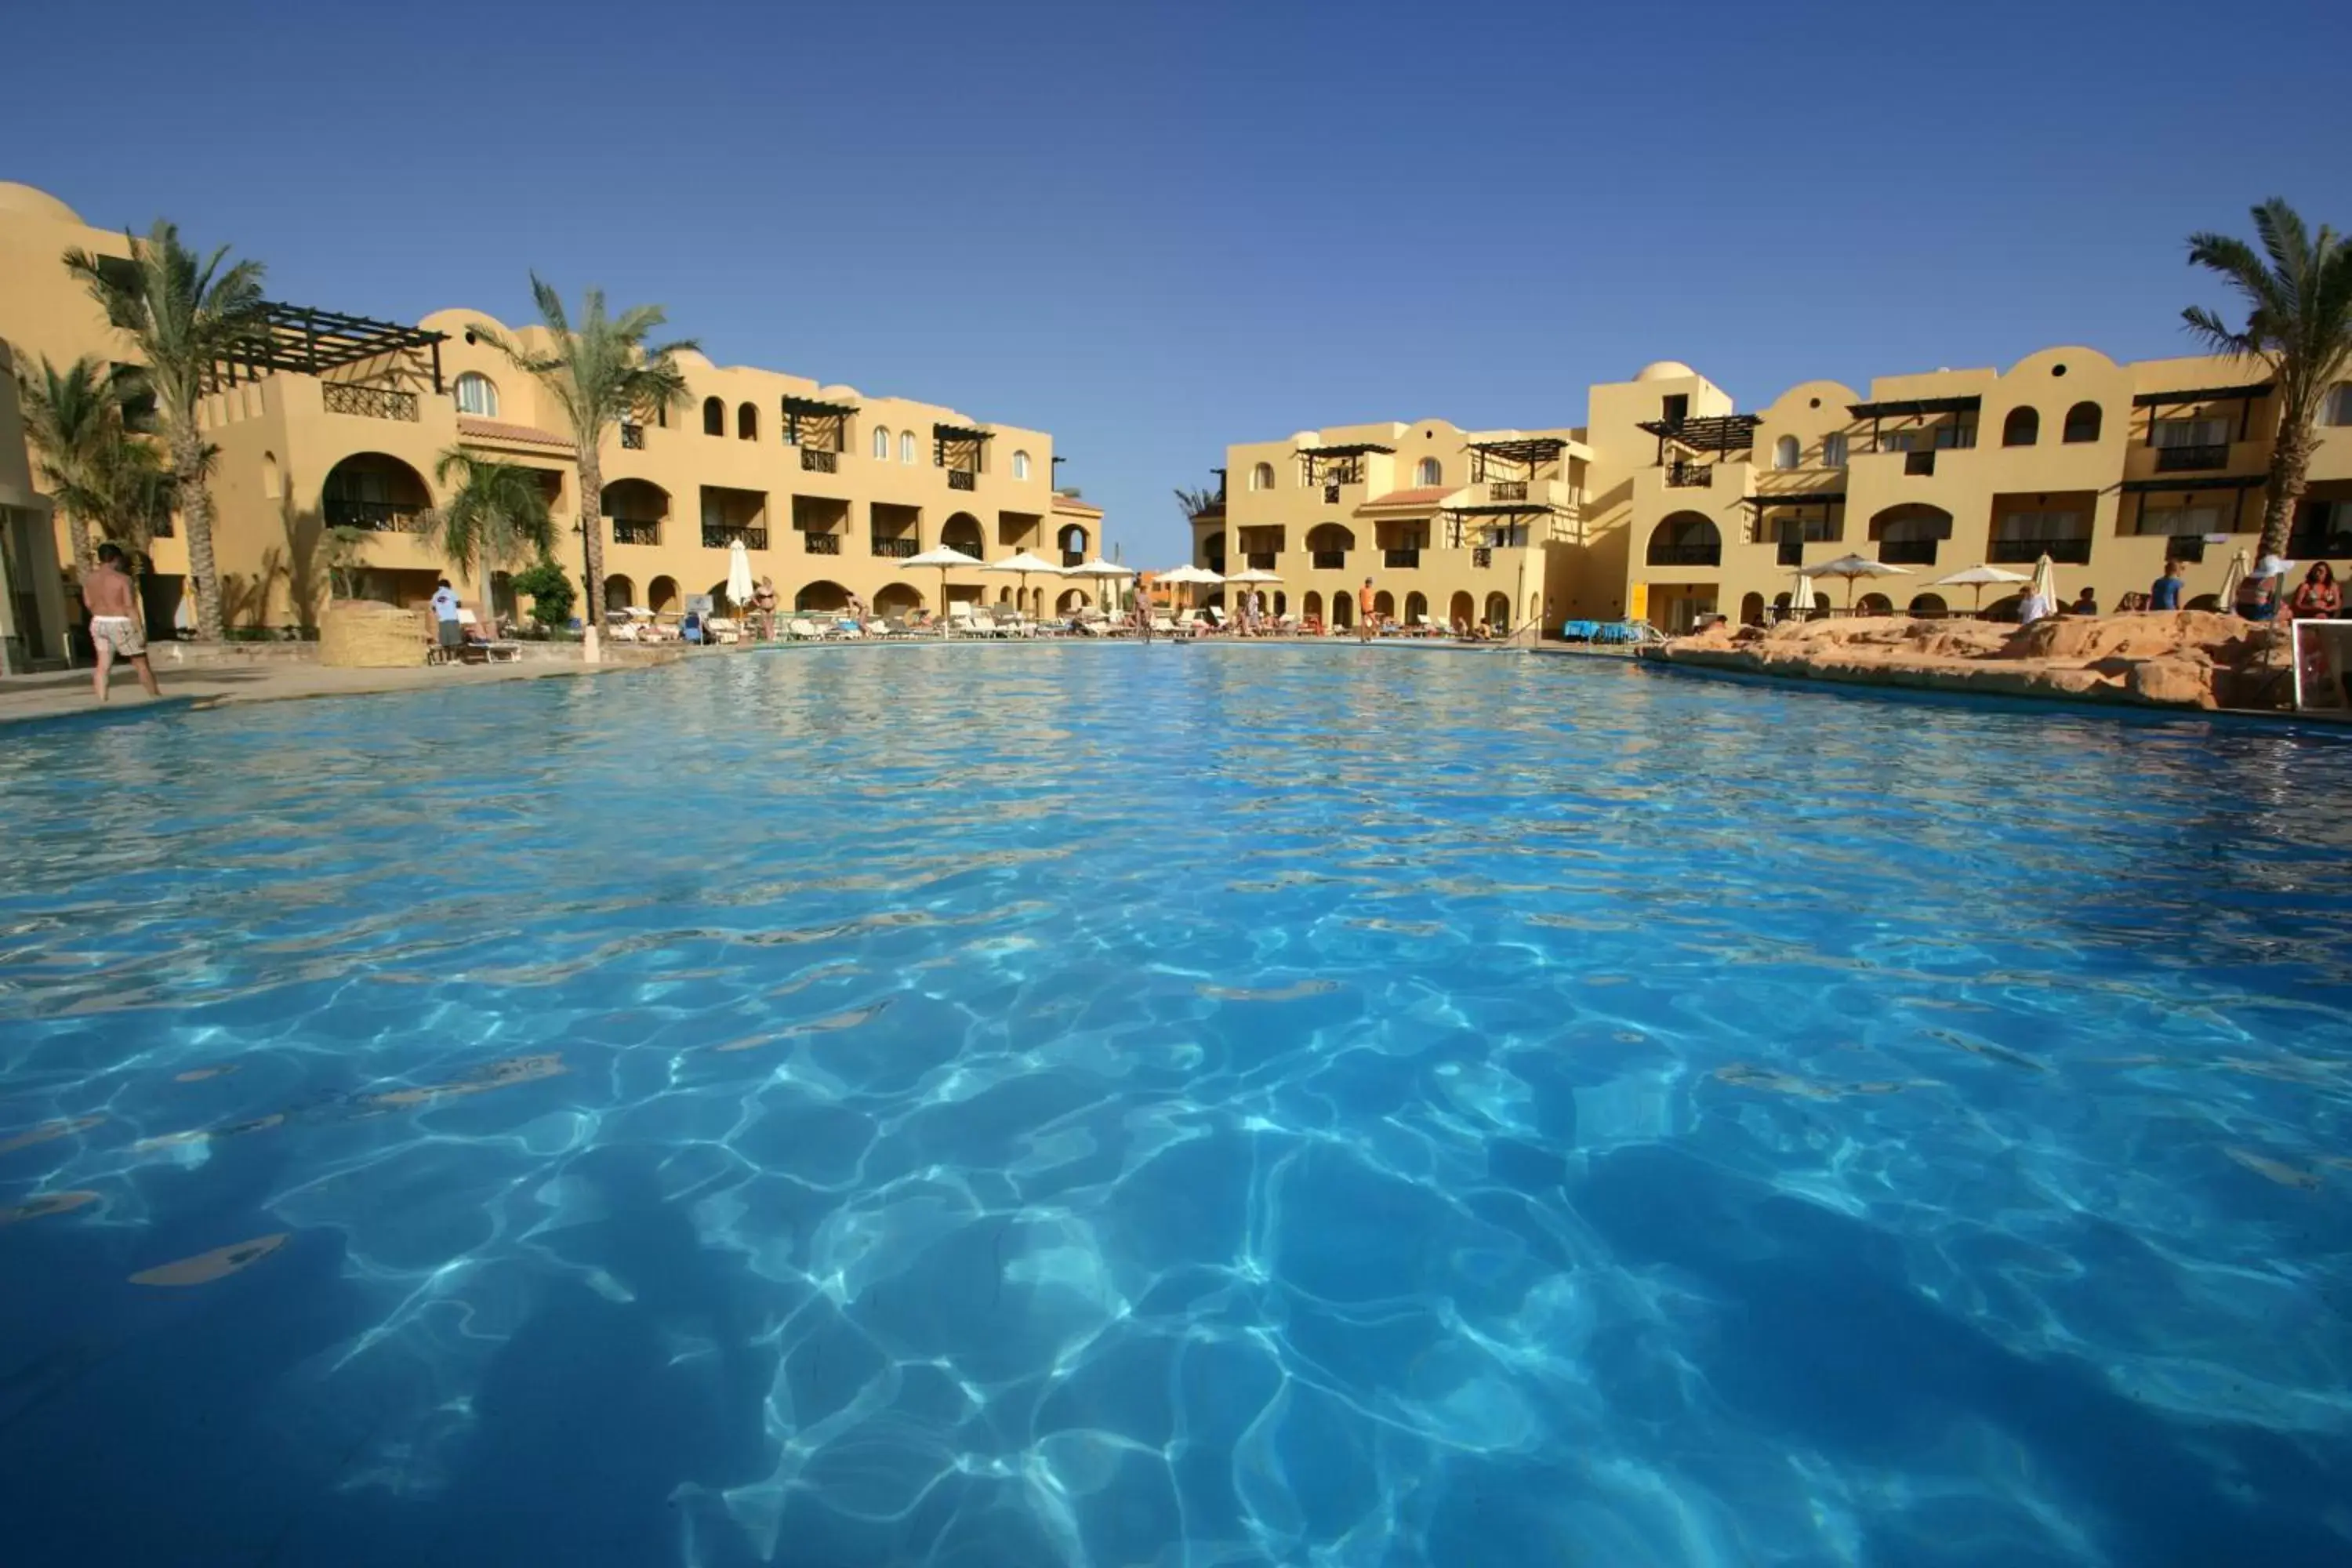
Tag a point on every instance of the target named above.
point(65, 694)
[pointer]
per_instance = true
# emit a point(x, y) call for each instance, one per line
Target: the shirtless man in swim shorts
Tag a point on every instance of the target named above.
point(113, 605)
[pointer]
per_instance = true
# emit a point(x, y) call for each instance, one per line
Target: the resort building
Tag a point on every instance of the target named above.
point(328, 434)
point(1670, 505)
point(32, 601)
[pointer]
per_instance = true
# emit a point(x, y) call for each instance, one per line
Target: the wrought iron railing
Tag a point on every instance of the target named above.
point(1509, 490)
point(633, 438)
point(963, 480)
point(2074, 550)
point(2188, 459)
point(1078, 557)
point(1410, 555)
point(1907, 552)
point(896, 548)
point(815, 461)
point(1686, 554)
point(378, 516)
point(821, 544)
point(628, 531)
point(1330, 560)
point(1919, 462)
point(719, 536)
point(1690, 476)
point(368, 402)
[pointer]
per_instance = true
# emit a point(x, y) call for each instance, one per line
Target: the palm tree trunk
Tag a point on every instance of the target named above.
point(2290, 466)
point(592, 535)
point(196, 508)
point(85, 554)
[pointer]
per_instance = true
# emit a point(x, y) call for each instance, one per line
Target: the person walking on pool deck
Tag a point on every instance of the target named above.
point(445, 618)
point(113, 601)
point(1364, 612)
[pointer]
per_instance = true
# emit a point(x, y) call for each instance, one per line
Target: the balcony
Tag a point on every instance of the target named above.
point(1907, 552)
point(377, 516)
point(821, 544)
point(633, 438)
point(2189, 459)
point(813, 462)
point(1921, 463)
point(2074, 552)
point(894, 549)
point(1792, 552)
point(1686, 554)
point(1404, 559)
point(1330, 560)
point(628, 531)
point(1259, 560)
point(1690, 476)
point(720, 535)
point(368, 402)
point(1078, 558)
point(1507, 490)
point(2191, 547)
point(963, 480)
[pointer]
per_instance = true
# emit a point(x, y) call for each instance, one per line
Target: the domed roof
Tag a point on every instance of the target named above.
point(29, 202)
point(1662, 370)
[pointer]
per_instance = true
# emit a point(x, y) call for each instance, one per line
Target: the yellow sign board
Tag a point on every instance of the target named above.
point(1637, 602)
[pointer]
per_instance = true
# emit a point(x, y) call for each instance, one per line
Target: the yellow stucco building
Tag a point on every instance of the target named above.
point(1672, 502)
point(342, 426)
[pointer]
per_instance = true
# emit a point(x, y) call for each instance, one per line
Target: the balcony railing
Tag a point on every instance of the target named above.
point(2188, 459)
point(1259, 560)
point(2191, 547)
point(821, 544)
point(896, 548)
point(1509, 490)
point(1078, 558)
point(1330, 560)
point(719, 536)
point(963, 480)
point(1919, 462)
point(627, 530)
point(1908, 551)
point(633, 438)
point(1408, 556)
point(2074, 550)
point(1686, 554)
point(1690, 476)
point(378, 516)
point(815, 461)
point(370, 402)
point(1791, 553)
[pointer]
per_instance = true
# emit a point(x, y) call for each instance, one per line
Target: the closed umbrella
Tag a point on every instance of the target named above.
point(1977, 577)
point(739, 587)
point(947, 560)
point(2043, 589)
point(1024, 563)
point(1851, 567)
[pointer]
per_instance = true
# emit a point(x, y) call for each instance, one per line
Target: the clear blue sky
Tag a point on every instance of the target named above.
point(1154, 229)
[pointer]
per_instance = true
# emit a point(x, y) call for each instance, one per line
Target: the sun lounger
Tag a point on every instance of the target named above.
point(799, 628)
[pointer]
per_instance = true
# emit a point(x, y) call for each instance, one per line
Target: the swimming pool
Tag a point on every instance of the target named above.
point(1116, 1105)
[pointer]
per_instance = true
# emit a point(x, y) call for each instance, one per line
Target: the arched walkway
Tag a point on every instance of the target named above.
point(1311, 606)
point(1498, 612)
point(1384, 604)
point(1461, 610)
point(1873, 605)
point(1416, 608)
point(896, 599)
point(822, 594)
point(661, 595)
point(1751, 608)
point(1072, 599)
point(1343, 609)
point(1928, 605)
point(1686, 539)
point(619, 592)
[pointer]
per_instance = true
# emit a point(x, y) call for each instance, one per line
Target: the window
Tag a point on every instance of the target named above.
point(1952, 433)
point(1429, 472)
point(2022, 525)
point(714, 417)
point(2022, 428)
point(1262, 477)
point(2083, 422)
point(1785, 452)
point(2171, 521)
point(746, 423)
point(2339, 404)
point(907, 447)
point(1894, 440)
point(881, 443)
point(1020, 465)
point(478, 396)
point(1834, 449)
point(2192, 432)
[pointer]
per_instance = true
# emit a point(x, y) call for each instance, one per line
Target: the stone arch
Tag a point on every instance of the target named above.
point(619, 592)
point(1686, 539)
point(1911, 522)
point(1072, 599)
point(1417, 608)
point(823, 595)
point(1751, 608)
point(962, 531)
point(1311, 606)
point(1928, 605)
point(2022, 428)
point(896, 599)
point(714, 417)
point(1384, 604)
point(1461, 610)
point(662, 595)
point(1498, 611)
point(377, 493)
point(1873, 605)
point(2083, 423)
point(747, 421)
point(1343, 609)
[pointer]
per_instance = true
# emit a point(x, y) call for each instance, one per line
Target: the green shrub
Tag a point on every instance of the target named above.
point(552, 593)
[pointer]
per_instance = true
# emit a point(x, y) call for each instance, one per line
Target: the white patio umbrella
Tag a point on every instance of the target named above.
point(1024, 563)
point(947, 560)
point(1189, 575)
point(1851, 567)
point(740, 586)
point(1105, 571)
point(1256, 574)
point(1977, 577)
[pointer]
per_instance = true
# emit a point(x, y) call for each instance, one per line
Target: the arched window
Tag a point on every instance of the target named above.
point(881, 443)
point(714, 417)
point(1685, 539)
point(2083, 422)
point(746, 423)
point(1785, 452)
point(1429, 472)
point(2023, 427)
point(1020, 465)
point(2339, 404)
point(907, 447)
point(1262, 477)
point(477, 395)
point(1834, 449)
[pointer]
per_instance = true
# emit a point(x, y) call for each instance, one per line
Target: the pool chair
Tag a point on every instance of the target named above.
point(481, 645)
point(959, 618)
point(719, 629)
point(799, 628)
point(848, 628)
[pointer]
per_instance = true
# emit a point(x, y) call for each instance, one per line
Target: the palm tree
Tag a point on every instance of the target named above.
point(73, 418)
point(1192, 503)
point(599, 373)
point(2298, 296)
point(186, 313)
point(496, 517)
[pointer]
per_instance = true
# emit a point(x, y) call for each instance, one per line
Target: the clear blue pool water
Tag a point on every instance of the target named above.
point(1110, 1105)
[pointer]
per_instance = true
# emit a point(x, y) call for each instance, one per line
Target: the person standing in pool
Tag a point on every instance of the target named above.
point(1364, 612)
point(113, 601)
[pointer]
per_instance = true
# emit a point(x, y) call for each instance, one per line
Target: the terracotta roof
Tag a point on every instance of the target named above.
point(1073, 504)
point(1428, 495)
point(499, 430)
